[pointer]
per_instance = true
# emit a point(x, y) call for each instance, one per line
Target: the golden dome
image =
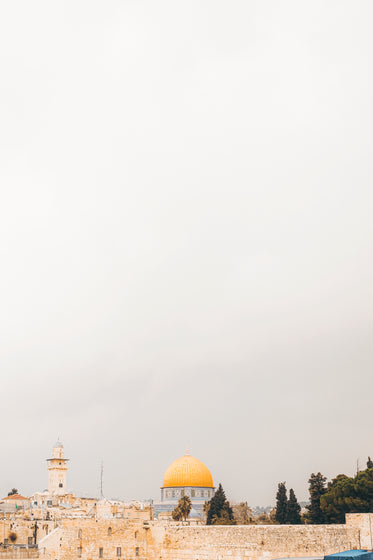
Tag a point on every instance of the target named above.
point(187, 471)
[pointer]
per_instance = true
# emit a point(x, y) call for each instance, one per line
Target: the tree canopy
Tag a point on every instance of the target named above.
point(348, 495)
point(293, 513)
point(183, 509)
point(281, 503)
point(219, 511)
point(317, 489)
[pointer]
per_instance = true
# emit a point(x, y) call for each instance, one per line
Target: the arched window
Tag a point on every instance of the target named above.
point(109, 532)
point(79, 534)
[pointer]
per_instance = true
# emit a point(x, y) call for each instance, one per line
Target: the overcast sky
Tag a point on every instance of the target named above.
point(185, 241)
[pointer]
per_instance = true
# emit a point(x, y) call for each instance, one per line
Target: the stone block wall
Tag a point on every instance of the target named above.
point(17, 553)
point(90, 539)
point(363, 522)
point(125, 539)
point(251, 542)
point(24, 529)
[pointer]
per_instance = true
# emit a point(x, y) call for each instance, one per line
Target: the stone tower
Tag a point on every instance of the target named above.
point(57, 469)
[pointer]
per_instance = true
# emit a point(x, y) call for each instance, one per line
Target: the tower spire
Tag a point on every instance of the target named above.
point(57, 468)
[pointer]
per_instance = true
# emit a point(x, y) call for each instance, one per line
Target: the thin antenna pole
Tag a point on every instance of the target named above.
point(102, 477)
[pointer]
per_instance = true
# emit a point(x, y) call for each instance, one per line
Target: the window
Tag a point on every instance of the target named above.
point(29, 541)
point(100, 552)
point(80, 534)
point(193, 493)
point(109, 532)
point(79, 551)
point(60, 485)
point(136, 534)
point(137, 551)
point(119, 551)
point(49, 503)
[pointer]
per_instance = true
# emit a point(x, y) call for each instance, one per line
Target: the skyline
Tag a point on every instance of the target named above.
point(360, 465)
point(186, 241)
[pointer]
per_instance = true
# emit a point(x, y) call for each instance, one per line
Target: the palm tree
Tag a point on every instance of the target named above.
point(183, 509)
point(185, 505)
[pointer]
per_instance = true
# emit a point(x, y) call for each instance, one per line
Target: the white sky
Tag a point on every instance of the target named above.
point(185, 241)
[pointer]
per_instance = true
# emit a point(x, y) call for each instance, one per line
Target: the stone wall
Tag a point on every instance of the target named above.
point(254, 542)
point(126, 539)
point(363, 522)
point(18, 553)
point(90, 539)
point(24, 529)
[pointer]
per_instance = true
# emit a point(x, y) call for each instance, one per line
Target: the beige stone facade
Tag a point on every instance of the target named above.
point(124, 539)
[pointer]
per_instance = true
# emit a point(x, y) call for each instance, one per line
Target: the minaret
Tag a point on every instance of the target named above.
point(57, 469)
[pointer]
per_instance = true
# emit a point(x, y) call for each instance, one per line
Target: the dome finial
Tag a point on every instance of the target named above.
point(187, 451)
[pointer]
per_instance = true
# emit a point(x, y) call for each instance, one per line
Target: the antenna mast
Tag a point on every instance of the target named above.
point(101, 484)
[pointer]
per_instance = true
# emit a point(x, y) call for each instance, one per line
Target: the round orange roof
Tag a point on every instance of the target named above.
point(187, 471)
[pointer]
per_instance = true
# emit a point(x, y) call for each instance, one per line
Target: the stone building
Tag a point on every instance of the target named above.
point(14, 502)
point(57, 470)
point(187, 476)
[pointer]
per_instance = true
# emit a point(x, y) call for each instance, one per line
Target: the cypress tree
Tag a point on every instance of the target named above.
point(281, 504)
point(293, 515)
point(219, 509)
point(316, 490)
point(369, 463)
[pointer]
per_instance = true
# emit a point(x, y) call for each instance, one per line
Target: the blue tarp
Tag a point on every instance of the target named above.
point(350, 555)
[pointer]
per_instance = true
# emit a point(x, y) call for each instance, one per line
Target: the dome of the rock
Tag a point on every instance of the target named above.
point(187, 471)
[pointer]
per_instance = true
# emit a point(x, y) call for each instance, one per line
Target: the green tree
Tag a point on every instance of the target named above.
point(348, 495)
point(219, 511)
point(293, 513)
point(12, 492)
point(176, 514)
point(316, 489)
point(185, 505)
point(281, 503)
point(369, 463)
point(183, 509)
